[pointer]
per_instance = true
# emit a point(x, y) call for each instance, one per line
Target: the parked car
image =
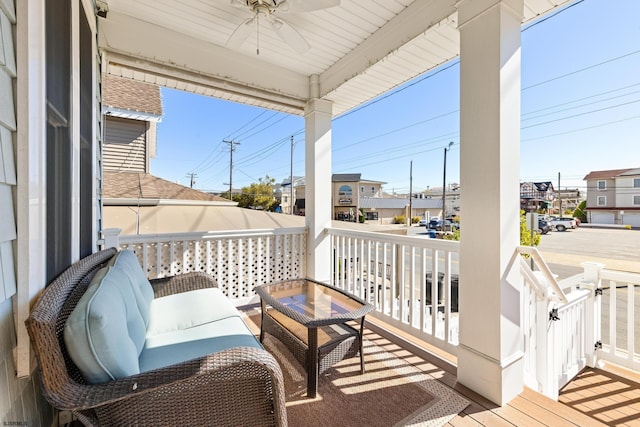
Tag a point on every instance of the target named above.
point(562, 223)
point(544, 226)
point(423, 223)
point(436, 224)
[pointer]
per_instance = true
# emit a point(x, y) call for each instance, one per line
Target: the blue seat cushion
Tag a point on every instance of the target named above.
point(128, 262)
point(187, 310)
point(105, 332)
point(182, 345)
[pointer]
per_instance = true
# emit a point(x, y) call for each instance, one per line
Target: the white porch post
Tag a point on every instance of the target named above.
point(490, 358)
point(318, 186)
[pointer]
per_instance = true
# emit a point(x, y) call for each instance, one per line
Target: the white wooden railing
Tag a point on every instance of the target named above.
point(395, 274)
point(238, 260)
point(561, 321)
point(620, 315)
point(559, 326)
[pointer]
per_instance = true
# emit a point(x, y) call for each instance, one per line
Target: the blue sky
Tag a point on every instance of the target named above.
point(580, 112)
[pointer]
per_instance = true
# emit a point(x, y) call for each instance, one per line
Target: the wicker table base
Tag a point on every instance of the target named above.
point(319, 324)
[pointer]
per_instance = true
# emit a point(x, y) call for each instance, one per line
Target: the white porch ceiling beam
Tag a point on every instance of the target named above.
point(412, 22)
point(146, 47)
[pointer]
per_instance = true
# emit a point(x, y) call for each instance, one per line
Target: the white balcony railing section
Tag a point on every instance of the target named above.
point(618, 315)
point(395, 273)
point(238, 260)
point(561, 321)
point(559, 326)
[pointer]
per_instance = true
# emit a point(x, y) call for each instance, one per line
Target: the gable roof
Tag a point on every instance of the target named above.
point(607, 174)
point(346, 177)
point(131, 99)
point(144, 186)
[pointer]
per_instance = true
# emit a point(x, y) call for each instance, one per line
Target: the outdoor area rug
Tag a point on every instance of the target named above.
point(392, 392)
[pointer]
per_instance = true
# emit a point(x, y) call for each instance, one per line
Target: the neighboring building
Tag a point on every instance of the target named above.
point(536, 196)
point(384, 209)
point(140, 203)
point(569, 199)
point(282, 193)
point(613, 197)
point(347, 190)
point(452, 199)
point(351, 195)
point(132, 110)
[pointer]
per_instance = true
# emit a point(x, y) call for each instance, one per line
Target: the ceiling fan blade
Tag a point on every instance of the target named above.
point(289, 35)
point(241, 33)
point(238, 3)
point(305, 5)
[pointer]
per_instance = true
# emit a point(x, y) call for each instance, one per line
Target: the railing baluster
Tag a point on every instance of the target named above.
point(630, 322)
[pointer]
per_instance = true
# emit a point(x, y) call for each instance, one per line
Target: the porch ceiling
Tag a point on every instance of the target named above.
point(359, 49)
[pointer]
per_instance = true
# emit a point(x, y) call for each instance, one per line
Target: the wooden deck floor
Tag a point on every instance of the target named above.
point(596, 397)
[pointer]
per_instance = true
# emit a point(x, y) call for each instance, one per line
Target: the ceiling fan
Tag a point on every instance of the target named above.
point(266, 10)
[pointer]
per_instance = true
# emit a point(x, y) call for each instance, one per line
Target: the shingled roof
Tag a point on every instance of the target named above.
point(608, 174)
point(131, 95)
point(131, 185)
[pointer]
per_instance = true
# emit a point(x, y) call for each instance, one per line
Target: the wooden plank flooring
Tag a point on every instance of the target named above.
point(597, 397)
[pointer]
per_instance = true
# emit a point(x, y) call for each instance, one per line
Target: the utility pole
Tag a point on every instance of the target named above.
point(192, 178)
point(410, 189)
point(232, 148)
point(559, 197)
point(291, 177)
point(444, 186)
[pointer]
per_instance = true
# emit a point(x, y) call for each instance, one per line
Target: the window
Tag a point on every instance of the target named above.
point(602, 185)
point(344, 195)
point(636, 200)
point(69, 197)
point(362, 189)
point(86, 136)
point(59, 143)
point(602, 200)
point(636, 182)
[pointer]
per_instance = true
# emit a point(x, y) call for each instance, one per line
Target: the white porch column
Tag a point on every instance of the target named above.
point(490, 351)
point(318, 187)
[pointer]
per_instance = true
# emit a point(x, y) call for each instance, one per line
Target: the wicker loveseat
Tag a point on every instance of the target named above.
point(237, 386)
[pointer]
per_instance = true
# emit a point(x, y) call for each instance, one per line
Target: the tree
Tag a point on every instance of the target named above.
point(580, 211)
point(258, 195)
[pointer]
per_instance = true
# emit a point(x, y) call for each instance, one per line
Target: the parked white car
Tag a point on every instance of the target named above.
point(562, 223)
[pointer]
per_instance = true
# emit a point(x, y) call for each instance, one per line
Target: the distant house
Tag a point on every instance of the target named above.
point(613, 197)
point(352, 195)
point(536, 195)
point(452, 198)
point(283, 194)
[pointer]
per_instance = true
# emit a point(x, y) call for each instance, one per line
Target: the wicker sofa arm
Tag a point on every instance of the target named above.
point(196, 392)
point(182, 283)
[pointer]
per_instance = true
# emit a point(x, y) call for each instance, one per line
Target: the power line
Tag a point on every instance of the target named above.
point(246, 124)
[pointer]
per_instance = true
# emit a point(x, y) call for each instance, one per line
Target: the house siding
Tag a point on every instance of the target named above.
point(7, 158)
point(125, 145)
point(20, 398)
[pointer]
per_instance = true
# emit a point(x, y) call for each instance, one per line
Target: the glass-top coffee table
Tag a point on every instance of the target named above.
point(310, 318)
